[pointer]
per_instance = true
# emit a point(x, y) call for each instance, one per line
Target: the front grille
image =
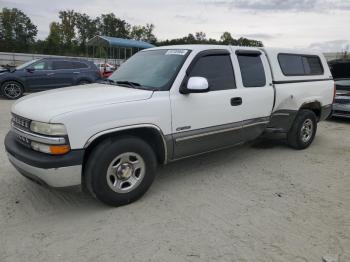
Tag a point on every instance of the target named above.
point(20, 122)
point(23, 140)
point(342, 101)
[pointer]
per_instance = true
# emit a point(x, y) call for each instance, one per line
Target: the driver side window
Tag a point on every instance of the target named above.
point(217, 69)
point(42, 66)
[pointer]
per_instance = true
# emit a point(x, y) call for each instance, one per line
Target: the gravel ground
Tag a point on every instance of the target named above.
point(259, 202)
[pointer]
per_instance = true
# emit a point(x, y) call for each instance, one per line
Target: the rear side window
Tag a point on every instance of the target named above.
point(252, 70)
point(61, 65)
point(78, 65)
point(300, 65)
point(217, 69)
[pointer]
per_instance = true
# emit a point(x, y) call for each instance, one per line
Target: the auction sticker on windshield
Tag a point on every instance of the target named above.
point(176, 52)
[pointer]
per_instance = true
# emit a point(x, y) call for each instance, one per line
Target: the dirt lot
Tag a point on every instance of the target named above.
point(260, 202)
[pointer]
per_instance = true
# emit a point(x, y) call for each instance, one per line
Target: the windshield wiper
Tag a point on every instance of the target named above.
point(135, 85)
point(129, 83)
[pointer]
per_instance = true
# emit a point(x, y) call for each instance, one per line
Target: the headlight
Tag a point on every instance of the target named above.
point(48, 129)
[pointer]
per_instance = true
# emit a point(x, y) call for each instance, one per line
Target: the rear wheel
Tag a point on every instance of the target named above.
point(119, 171)
point(303, 131)
point(12, 90)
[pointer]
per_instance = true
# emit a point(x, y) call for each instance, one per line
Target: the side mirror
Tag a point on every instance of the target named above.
point(30, 69)
point(196, 84)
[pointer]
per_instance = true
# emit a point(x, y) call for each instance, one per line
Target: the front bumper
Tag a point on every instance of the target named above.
point(54, 171)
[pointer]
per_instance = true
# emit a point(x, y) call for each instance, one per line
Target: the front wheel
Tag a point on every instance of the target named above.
point(12, 90)
point(303, 130)
point(120, 170)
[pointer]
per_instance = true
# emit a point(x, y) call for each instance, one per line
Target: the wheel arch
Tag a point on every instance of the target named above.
point(151, 134)
point(314, 106)
point(19, 81)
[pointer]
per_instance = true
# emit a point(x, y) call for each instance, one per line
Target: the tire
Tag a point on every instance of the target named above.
point(131, 165)
point(303, 130)
point(12, 90)
point(84, 82)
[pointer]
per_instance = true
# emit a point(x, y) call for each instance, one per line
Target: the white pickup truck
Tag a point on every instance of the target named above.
point(162, 105)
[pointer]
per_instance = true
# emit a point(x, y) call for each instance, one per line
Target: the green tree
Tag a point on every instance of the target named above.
point(17, 32)
point(143, 33)
point(110, 25)
point(67, 25)
point(248, 42)
point(200, 37)
point(54, 42)
point(227, 39)
point(87, 28)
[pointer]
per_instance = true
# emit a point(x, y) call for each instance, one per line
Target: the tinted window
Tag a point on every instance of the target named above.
point(300, 65)
point(217, 69)
point(27, 64)
point(252, 70)
point(77, 65)
point(42, 65)
point(61, 65)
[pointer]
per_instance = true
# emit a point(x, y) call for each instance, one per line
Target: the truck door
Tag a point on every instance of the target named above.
point(203, 122)
point(255, 84)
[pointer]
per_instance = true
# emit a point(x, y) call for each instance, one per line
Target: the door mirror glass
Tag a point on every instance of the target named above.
point(197, 84)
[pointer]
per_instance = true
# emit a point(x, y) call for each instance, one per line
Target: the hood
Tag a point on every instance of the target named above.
point(4, 72)
point(44, 106)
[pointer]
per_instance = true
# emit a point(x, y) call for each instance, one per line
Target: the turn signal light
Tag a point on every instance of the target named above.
point(59, 150)
point(50, 149)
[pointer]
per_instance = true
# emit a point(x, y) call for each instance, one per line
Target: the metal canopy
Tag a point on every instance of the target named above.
point(117, 42)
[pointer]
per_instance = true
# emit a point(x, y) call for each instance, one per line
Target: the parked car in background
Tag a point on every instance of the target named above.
point(341, 73)
point(47, 73)
point(106, 69)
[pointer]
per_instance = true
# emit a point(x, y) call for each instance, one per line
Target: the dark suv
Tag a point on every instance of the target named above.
point(47, 73)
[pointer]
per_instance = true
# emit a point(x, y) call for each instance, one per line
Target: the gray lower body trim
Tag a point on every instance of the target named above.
point(202, 140)
point(282, 120)
point(325, 112)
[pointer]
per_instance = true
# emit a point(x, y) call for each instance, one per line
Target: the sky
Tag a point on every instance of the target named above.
point(322, 25)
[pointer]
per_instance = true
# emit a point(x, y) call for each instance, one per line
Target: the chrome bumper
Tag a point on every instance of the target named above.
point(54, 177)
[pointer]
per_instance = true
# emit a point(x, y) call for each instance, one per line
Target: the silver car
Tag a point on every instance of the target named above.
point(341, 105)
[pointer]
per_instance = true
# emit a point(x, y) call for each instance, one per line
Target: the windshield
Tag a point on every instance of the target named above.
point(26, 64)
point(153, 70)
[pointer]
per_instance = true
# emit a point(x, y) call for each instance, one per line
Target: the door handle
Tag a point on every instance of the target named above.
point(236, 101)
point(50, 74)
